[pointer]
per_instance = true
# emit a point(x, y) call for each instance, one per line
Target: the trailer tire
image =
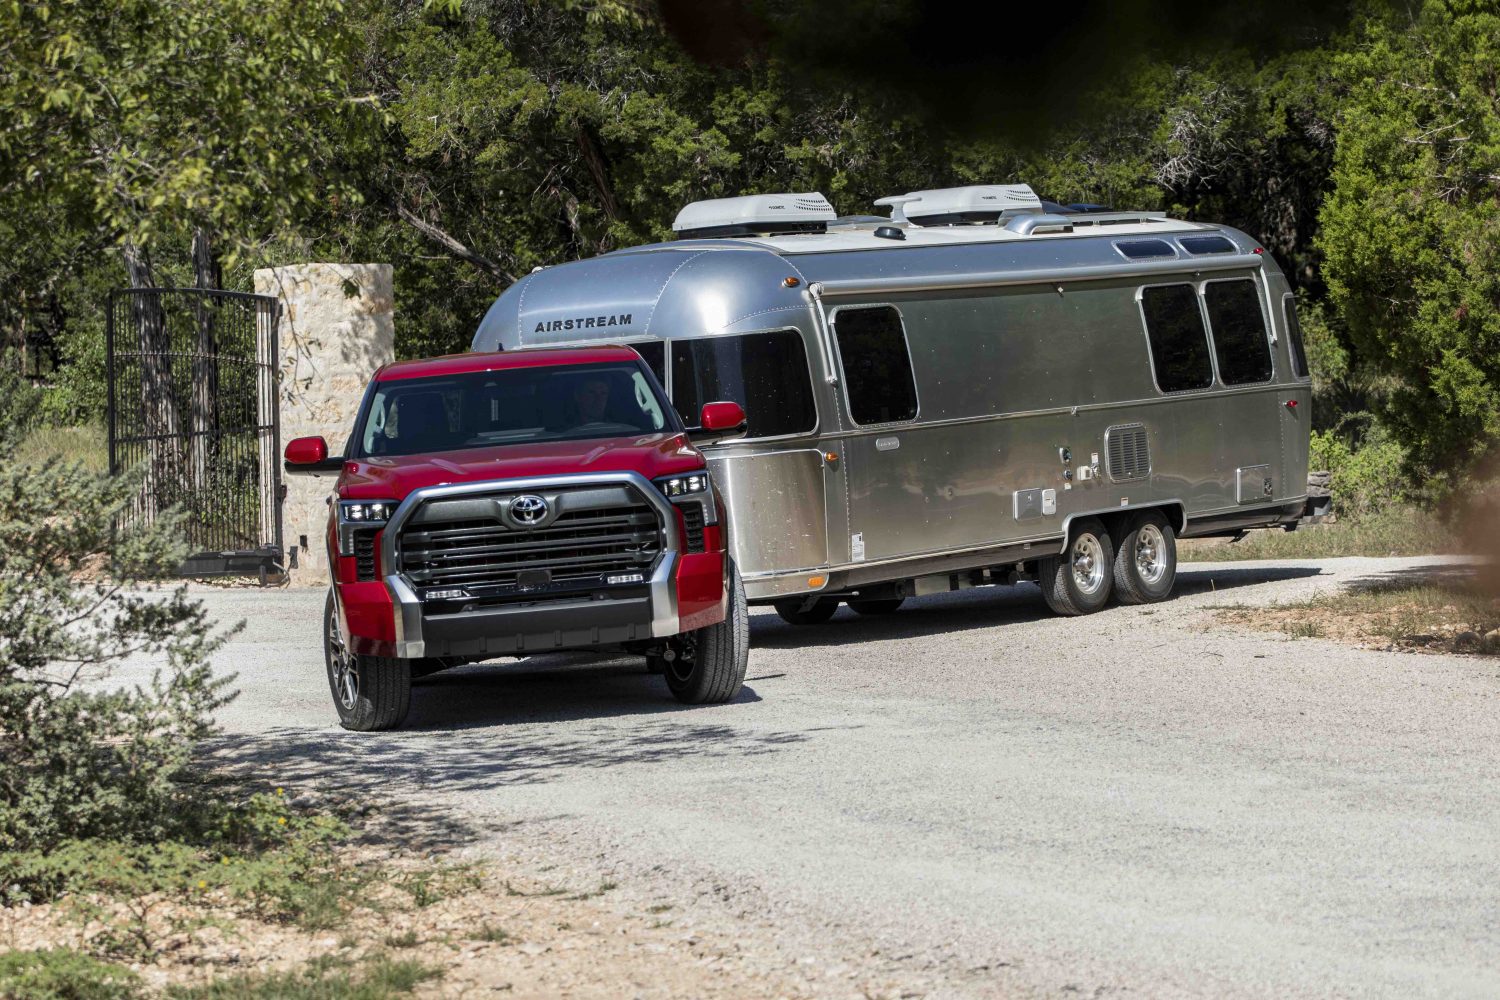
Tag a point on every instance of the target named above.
point(370, 693)
point(721, 653)
point(1146, 565)
point(1079, 581)
point(792, 612)
point(884, 606)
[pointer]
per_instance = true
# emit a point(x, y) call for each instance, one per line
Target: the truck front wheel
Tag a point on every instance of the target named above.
point(369, 692)
point(709, 668)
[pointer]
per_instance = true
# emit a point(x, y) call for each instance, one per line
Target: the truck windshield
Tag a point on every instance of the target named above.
point(517, 406)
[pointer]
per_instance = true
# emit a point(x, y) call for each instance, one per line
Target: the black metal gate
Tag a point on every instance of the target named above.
point(192, 402)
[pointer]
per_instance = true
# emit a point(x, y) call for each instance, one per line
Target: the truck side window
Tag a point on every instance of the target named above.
point(877, 367)
point(1239, 327)
point(1294, 336)
point(1179, 342)
point(766, 373)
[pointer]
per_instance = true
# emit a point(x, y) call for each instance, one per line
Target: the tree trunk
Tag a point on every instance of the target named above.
point(159, 423)
point(204, 417)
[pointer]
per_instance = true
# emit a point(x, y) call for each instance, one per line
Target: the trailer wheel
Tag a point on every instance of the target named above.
point(369, 692)
point(885, 606)
point(793, 613)
point(1079, 581)
point(1146, 566)
point(711, 667)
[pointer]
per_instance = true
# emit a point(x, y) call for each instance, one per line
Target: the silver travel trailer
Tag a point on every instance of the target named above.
point(977, 389)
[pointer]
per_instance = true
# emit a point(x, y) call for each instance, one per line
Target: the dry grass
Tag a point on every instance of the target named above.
point(83, 444)
point(1445, 612)
point(1403, 531)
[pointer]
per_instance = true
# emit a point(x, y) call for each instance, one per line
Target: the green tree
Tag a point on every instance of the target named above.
point(1411, 229)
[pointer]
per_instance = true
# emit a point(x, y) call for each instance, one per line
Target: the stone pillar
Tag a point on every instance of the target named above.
point(336, 329)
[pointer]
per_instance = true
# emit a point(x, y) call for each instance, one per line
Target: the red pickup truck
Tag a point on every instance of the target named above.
point(520, 502)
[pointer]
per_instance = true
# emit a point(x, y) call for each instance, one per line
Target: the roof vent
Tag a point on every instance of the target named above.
point(755, 215)
point(962, 206)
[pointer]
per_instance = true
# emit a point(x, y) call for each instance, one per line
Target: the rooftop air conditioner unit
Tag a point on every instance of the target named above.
point(755, 215)
point(961, 206)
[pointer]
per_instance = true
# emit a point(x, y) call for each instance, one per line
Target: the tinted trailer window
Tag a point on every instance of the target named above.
point(1240, 344)
point(1179, 341)
point(766, 373)
point(877, 366)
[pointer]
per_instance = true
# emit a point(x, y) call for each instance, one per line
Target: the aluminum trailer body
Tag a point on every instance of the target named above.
point(932, 404)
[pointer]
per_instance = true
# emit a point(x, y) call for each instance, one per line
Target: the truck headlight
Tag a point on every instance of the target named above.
point(682, 486)
point(371, 512)
point(358, 516)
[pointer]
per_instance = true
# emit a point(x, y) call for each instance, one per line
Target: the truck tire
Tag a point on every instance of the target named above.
point(1079, 581)
point(885, 606)
point(369, 692)
point(1146, 565)
point(792, 612)
point(716, 670)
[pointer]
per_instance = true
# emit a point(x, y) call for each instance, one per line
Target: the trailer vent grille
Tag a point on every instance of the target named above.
point(1127, 453)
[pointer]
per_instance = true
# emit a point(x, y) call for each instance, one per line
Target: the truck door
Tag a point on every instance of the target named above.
point(884, 479)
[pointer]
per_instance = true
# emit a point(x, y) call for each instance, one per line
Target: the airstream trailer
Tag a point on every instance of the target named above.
point(977, 389)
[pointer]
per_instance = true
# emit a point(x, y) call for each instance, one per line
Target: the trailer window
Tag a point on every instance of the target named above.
point(1294, 336)
point(1206, 244)
point(654, 352)
point(1179, 342)
point(877, 366)
point(1240, 342)
point(766, 373)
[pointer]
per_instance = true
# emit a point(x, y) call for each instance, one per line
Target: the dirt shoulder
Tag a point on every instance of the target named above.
point(1448, 610)
point(452, 923)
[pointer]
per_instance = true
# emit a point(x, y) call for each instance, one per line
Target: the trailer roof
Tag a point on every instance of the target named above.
point(861, 235)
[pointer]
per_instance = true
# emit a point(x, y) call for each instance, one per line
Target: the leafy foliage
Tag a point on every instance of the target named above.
point(63, 974)
point(1411, 229)
point(472, 142)
point(77, 760)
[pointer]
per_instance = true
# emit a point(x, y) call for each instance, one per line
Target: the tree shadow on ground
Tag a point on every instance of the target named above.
point(468, 732)
point(1459, 577)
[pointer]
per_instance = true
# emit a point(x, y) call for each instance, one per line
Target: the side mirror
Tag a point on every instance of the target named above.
point(308, 456)
point(719, 421)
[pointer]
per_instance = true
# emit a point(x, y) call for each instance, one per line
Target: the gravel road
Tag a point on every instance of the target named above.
point(975, 797)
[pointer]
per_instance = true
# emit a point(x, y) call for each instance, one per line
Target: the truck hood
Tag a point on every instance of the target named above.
point(393, 477)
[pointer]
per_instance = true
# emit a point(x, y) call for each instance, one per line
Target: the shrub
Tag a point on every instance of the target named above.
point(76, 596)
point(63, 974)
point(1367, 477)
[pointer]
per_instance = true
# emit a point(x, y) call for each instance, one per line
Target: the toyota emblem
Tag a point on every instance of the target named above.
point(528, 510)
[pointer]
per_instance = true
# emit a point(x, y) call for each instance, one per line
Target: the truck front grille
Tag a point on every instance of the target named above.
point(576, 550)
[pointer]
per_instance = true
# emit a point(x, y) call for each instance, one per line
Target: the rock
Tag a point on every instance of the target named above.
point(1492, 641)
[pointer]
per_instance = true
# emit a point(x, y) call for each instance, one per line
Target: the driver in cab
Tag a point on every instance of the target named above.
point(590, 401)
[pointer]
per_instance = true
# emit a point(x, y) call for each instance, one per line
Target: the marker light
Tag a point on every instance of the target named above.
point(626, 578)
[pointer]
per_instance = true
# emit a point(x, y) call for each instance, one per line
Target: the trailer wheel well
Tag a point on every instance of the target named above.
point(1116, 522)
